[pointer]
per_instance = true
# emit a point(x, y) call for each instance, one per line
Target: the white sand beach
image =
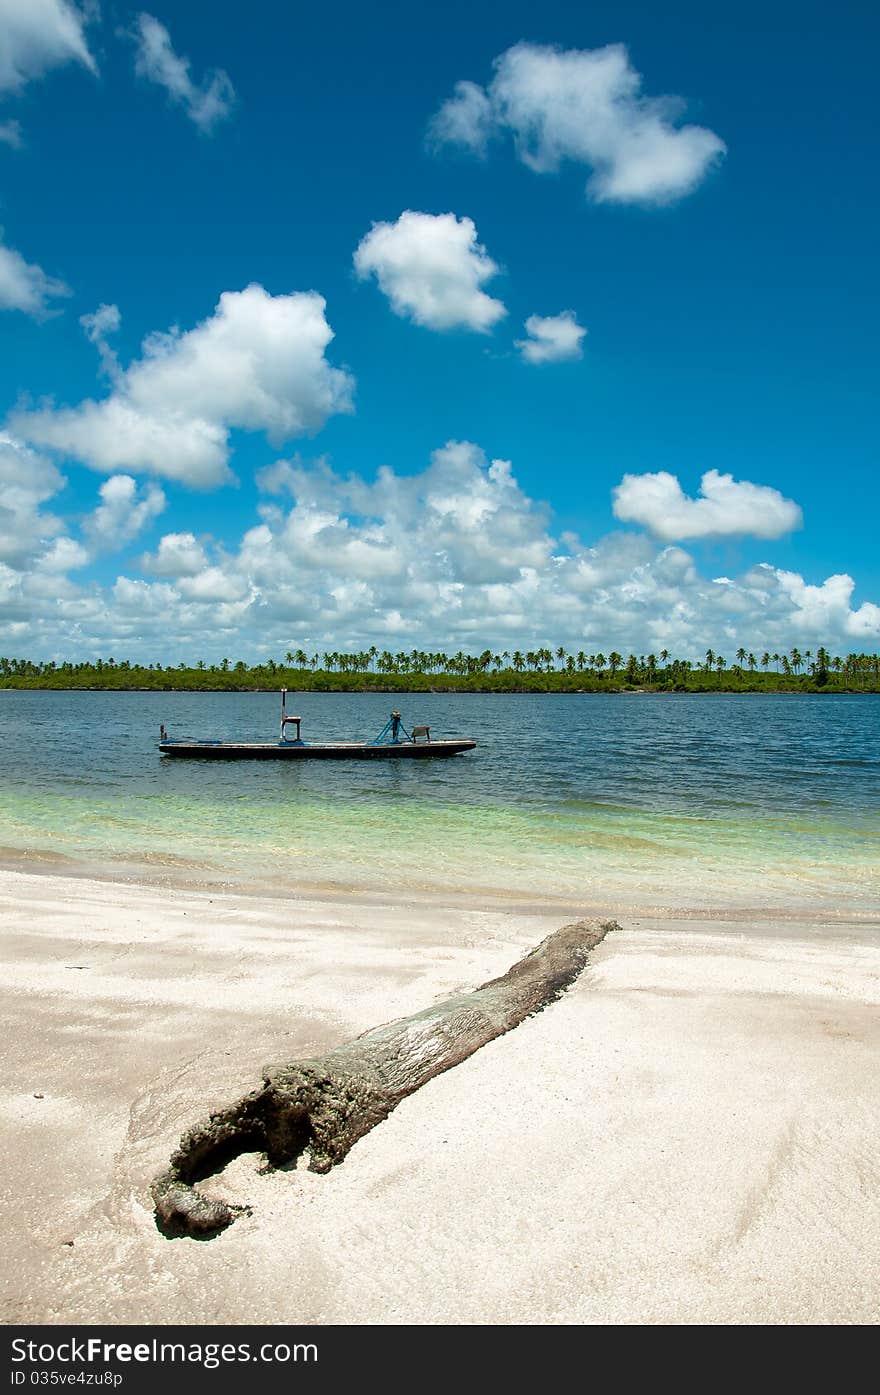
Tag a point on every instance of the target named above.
point(689, 1135)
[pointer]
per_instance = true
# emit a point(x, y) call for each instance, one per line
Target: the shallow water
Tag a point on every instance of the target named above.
point(684, 800)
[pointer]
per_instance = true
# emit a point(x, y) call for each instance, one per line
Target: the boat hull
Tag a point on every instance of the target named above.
point(321, 750)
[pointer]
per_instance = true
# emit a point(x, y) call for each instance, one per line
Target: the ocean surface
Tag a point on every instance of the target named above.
point(684, 801)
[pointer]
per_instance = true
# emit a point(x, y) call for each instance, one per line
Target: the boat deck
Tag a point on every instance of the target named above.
point(315, 750)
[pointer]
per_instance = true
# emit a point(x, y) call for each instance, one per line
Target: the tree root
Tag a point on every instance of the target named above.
point(326, 1104)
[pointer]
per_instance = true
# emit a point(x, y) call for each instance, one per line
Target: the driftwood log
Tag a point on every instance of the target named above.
point(326, 1104)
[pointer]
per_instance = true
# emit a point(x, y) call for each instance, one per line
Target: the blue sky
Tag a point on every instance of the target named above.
point(719, 252)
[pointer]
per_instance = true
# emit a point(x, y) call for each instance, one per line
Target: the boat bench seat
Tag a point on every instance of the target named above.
point(423, 732)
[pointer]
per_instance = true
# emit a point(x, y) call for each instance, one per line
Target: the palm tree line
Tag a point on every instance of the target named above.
point(855, 670)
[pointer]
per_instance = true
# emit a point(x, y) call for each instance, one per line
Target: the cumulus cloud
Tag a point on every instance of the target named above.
point(178, 554)
point(124, 511)
point(825, 609)
point(205, 102)
point(432, 268)
point(552, 338)
point(25, 286)
point(257, 363)
point(453, 555)
point(36, 35)
point(63, 555)
point(463, 518)
point(27, 480)
point(725, 507)
point(587, 106)
point(213, 585)
point(10, 134)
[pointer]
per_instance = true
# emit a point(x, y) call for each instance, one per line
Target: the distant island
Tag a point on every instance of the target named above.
point(533, 671)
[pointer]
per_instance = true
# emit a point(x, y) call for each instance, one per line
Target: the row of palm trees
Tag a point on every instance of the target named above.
point(858, 668)
point(792, 662)
point(559, 660)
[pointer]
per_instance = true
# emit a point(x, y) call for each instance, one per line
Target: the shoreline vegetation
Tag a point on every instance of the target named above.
point(534, 671)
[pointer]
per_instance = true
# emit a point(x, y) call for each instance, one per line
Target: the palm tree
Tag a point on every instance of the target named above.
point(821, 668)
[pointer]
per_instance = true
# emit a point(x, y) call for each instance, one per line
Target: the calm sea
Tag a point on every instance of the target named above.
point(689, 801)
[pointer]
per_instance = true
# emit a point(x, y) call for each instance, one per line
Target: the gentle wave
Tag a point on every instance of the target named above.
point(731, 801)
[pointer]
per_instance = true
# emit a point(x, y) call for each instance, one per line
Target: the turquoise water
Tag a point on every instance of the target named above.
point(694, 801)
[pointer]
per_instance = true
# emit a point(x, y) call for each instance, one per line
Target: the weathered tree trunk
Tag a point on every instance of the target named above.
point(326, 1104)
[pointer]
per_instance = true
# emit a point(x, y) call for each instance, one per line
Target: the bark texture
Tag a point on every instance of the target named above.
point(326, 1104)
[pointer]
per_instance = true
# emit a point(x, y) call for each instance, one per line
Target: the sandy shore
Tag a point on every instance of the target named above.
point(688, 1136)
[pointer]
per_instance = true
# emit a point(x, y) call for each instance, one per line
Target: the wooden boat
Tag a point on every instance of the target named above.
point(394, 742)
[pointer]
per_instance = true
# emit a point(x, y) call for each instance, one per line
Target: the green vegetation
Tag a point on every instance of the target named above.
point(535, 671)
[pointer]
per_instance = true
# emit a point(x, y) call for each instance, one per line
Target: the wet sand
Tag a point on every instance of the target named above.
point(688, 1136)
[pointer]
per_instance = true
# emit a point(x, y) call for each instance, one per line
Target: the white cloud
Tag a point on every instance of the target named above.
point(36, 35)
point(726, 507)
point(465, 119)
point(453, 555)
point(103, 321)
point(124, 511)
point(64, 555)
point(826, 608)
point(431, 268)
point(584, 105)
point(552, 338)
point(25, 286)
point(205, 103)
point(282, 475)
point(119, 434)
point(214, 584)
point(178, 554)
point(144, 599)
point(10, 133)
point(27, 480)
point(257, 363)
point(462, 519)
